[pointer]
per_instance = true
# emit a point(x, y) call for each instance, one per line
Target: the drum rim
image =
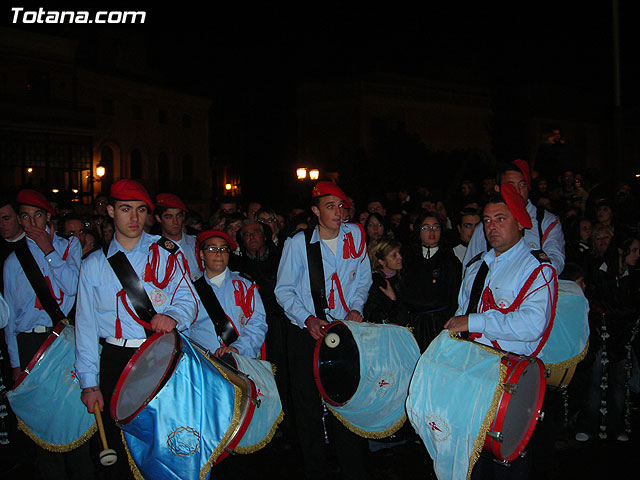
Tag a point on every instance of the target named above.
point(505, 399)
point(316, 371)
point(55, 333)
point(127, 369)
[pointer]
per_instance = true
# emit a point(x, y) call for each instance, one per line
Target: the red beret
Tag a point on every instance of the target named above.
point(207, 234)
point(126, 189)
point(329, 188)
point(524, 168)
point(35, 199)
point(169, 200)
point(515, 204)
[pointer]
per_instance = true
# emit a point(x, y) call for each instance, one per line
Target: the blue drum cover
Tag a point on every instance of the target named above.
point(450, 395)
point(185, 427)
point(47, 402)
point(388, 355)
point(268, 415)
point(570, 332)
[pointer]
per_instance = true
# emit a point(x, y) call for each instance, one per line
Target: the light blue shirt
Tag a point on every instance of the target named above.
point(293, 290)
point(188, 248)
point(4, 312)
point(251, 331)
point(98, 306)
point(553, 244)
point(521, 330)
point(19, 295)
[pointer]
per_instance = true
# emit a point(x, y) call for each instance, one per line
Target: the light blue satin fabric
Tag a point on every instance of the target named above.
point(570, 330)
point(48, 399)
point(265, 416)
point(177, 432)
point(388, 354)
point(449, 397)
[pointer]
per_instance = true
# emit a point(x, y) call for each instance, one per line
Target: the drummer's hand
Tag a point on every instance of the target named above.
point(458, 324)
point(316, 327)
point(388, 291)
point(15, 373)
point(223, 350)
point(89, 398)
point(41, 237)
point(354, 316)
point(162, 323)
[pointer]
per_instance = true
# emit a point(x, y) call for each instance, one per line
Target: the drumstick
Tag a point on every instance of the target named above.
point(107, 456)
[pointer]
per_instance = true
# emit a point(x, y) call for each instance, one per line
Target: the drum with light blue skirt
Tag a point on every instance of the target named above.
point(466, 398)
point(568, 340)
point(180, 411)
point(46, 396)
point(363, 371)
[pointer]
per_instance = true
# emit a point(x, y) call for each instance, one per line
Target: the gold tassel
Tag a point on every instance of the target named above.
point(52, 447)
point(260, 445)
point(132, 465)
point(375, 435)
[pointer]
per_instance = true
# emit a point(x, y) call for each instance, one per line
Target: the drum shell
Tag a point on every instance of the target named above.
point(386, 356)
point(46, 396)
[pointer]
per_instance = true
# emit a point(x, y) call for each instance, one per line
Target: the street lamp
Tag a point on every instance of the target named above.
point(314, 174)
point(100, 171)
point(301, 173)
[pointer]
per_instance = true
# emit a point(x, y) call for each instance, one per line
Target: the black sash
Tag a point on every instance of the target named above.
point(133, 287)
point(38, 283)
point(476, 289)
point(316, 274)
point(540, 218)
point(224, 328)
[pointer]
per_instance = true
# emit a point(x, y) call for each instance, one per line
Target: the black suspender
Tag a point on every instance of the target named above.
point(540, 218)
point(316, 274)
point(224, 328)
point(38, 283)
point(476, 289)
point(133, 287)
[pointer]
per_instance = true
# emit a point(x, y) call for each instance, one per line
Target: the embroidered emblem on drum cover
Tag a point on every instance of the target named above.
point(157, 297)
point(184, 441)
point(384, 383)
point(71, 377)
point(437, 428)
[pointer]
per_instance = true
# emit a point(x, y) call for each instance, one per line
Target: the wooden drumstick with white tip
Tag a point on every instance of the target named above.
point(108, 456)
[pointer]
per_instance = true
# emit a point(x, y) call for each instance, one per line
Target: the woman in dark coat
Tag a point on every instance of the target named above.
point(430, 281)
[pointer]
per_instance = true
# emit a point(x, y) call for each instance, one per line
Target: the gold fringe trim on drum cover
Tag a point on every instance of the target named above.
point(572, 362)
point(264, 442)
point(132, 465)
point(373, 435)
point(478, 445)
point(52, 447)
point(235, 421)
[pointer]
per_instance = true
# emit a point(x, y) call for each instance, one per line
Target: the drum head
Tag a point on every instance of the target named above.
point(144, 375)
point(338, 368)
point(522, 412)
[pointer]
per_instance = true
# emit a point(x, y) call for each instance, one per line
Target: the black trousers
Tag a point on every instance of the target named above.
point(350, 449)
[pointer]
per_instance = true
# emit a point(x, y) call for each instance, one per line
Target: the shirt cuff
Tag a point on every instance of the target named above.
point(476, 323)
point(88, 380)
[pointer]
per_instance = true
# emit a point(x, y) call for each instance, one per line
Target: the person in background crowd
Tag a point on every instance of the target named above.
point(269, 217)
point(467, 221)
point(252, 209)
point(376, 206)
point(228, 205)
point(374, 227)
point(430, 281)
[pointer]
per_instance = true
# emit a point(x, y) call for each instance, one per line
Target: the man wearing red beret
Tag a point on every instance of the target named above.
point(513, 306)
point(336, 252)
point(31, 317)
point(105, 311)
point(170, 213)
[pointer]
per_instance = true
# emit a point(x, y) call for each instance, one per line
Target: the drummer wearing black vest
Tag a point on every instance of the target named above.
point(507, 299)
point(324, 275)
point(134, 289)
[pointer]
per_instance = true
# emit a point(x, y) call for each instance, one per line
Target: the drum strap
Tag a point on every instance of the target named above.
point(540, 218)
point(133, 288)
point(223, 326)
point(316, 275)
point(39, 283)
point(476, 293)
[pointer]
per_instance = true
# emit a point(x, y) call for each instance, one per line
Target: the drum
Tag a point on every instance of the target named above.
point(363, 371)
point(46, 397)
point(568, 341)
point(465, 398)
point(180, 411)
